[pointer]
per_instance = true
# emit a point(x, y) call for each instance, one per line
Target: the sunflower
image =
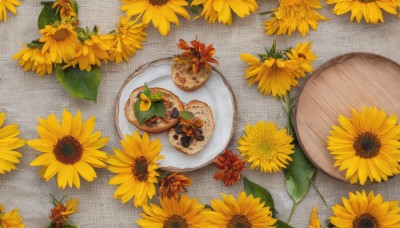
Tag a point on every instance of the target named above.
point(11, 219)
point(9, 141)
point(246, 211)
point(292, 15)
point(32, 58)
point(265, 146)
point(173, 212)
point(314, 220)
point(304, 57)
point(127, 39)
point(69, 149)
point(160, 12)
point(274, 75)
point(60, 40)
point(61, 212)
point(366, 145)
point(136, 168)
point(361, 210)
point(222, 9)
point(92, 51)
point(8, 5)
point(371, 10)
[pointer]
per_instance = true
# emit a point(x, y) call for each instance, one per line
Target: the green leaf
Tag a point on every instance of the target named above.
point(158, 108)
point(157, 96)
point(48, 15)
point(186, 115)
point(257, 191)
point(280, 224)
point(298, 173)
point(75, 7)
point(141, 116)
point(146, 90)
point(208, 206)
point(80, 84)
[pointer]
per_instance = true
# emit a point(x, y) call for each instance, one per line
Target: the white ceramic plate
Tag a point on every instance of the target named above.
point(216, 93)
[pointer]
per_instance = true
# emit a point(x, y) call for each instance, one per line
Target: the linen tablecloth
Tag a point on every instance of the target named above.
point(26, 97)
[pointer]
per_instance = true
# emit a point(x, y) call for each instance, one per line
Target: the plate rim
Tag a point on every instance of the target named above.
point(143, 68)
point(318, 70)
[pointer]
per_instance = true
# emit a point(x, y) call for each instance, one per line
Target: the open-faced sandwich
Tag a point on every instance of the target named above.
point(153, 110)
point(192, 68)
point(195, 128)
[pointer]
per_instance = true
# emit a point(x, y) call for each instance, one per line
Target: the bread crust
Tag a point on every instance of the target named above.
point(184, 78)
point(162, 124)
point(207, 117)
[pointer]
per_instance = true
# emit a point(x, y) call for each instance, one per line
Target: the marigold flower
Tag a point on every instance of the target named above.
point(174, 183)
point(60, 212)
point(230, 165)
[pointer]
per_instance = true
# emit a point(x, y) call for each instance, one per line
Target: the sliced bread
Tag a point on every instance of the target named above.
point(184, 77)
point(158, 124)
point(200, 110)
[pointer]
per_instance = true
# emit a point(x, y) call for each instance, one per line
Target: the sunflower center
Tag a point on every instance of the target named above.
point(175, 221)
point(266, 147)
point(239, 221)
point(61, 34)
point(365, 221)
point(367, 145)
point(158, 2)
point(139, 169)
point(68, 150)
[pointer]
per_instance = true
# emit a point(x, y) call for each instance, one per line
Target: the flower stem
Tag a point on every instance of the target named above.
point(319, 193)
point(286, 102)
point(266, 12)
point(291, 212)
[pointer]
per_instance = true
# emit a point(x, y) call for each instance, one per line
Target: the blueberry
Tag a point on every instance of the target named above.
point(185, 144)
point(178, 129)
point(176, 137)
point(174, 113)
point(200, 137)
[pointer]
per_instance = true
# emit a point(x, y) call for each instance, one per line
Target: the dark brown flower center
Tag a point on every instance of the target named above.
point(68, 150)
point(175, 221)
point(61, 34)
point(239, 221)
point(158, 2)
point(365, 221)
point(367, 145)
point(140, 170)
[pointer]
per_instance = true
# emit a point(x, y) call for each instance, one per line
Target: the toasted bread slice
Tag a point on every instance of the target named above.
point(185, 79)
point(162, 123)
point(204, 112)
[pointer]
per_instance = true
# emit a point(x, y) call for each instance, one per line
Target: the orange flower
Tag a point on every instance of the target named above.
point(199, 55)
point(191, 126)
point(230, 165)
point(174, 183)
point(60, 212)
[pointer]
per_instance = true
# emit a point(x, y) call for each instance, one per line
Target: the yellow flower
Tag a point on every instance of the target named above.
point(60, 40)
point(264, 146)
point(274, 75)
point(91, 52)
point(371, 10)
point(367, 145)
point(8, 5)
point(172, 212)
point(32, 58)
point(65, 9)
point(136, 168)
point(11, 219)
point(222, 9)
point(304, 57)
point(145, 104)
point(314, 220)
point(127, 39)
point(9, 142)
point(292, 15)
point(246, 211)
point(60, 212)
point(69, 149)
point(160, 12)
point(361, 210)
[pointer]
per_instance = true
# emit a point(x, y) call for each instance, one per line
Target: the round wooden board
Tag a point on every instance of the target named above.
point(348, 81)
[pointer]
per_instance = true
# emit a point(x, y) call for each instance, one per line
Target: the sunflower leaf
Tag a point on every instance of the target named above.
point(297, 174)
point(280, 224)
point(257, 191)
point(80, 84)
point(48, 15)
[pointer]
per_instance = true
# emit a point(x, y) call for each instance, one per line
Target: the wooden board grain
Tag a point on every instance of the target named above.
point(349, 81)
